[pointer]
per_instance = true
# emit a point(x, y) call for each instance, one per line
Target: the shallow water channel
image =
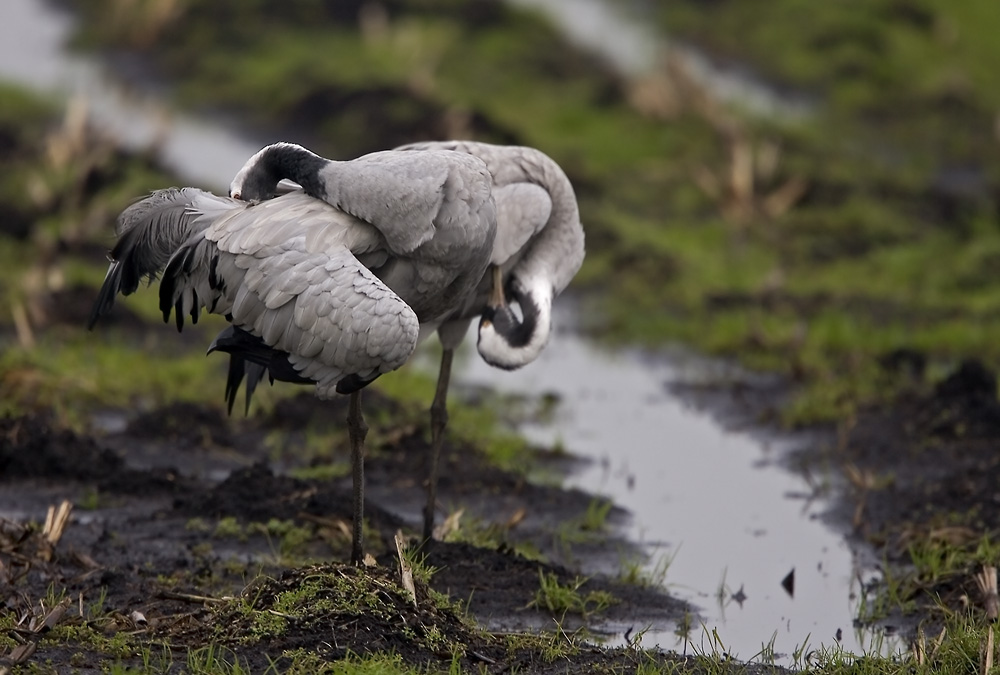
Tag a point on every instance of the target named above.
point(714, 503)
point(624, 33)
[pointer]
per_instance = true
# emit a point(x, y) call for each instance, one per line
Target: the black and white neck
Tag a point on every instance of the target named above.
point(258, 179)
point(508, 342)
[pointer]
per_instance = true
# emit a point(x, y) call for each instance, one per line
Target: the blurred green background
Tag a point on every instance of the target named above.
point(829, 240)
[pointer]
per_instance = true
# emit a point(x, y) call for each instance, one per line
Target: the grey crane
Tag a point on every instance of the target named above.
point(539, 247)
point(331, 292)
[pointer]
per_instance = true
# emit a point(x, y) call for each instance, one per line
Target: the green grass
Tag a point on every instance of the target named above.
point(81, 372)
point(214, 660)
point(902, 97)
point(322, 472)
point(331, 596)
point(637, 572)
point(559, 599)
point(591, 526)
point(595, 518)
point(482, 425)
point(868, 260)
point(491, 535)
point(858, 52)
point(306, 662)
point(936, 563)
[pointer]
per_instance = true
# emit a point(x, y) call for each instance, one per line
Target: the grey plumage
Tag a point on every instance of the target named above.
point(539, 242)
point(436, 208)
point(538, 248)
point(342, 294)
point(285, 271)
point(327, 291)
point(149, 232)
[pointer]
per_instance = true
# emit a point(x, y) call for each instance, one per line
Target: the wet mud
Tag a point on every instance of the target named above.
point(936, 453)
point(180, 509)
point(909, 478)
point(920, 477)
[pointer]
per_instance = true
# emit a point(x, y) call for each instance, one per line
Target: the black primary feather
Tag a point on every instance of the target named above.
point(106, 296)
point(149, 232)
point(250, 357)
point(238, 369)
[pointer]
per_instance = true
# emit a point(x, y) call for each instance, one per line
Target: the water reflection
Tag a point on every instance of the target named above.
point(712, 503)
point(625, 35)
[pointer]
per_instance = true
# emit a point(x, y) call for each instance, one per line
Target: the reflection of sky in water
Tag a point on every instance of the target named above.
point(704, 496)
point(696, 491)
point(31, 39)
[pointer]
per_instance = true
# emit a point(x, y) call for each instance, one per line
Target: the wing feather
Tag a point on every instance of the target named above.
point(285, 271)
point(305, 292)
point(149, 233)
point(414, 198)
point(523, 209)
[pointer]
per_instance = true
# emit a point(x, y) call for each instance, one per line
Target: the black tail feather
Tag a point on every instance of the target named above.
point(126, 272)
point(167, 286)
point(106, 296)
point(195, 307)
point(255, 373)
point(237, 369)
point(250, 358)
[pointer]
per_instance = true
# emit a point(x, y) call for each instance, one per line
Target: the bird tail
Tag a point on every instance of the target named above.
point(149, 233)
point(251, 358)
point(239, 368)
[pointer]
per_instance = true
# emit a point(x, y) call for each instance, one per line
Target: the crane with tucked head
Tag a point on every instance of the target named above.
point(329, 291)
point(539, 247)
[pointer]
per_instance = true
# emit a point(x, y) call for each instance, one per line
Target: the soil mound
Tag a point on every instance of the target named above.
point(30, 447)
point(344, 609)
point(965, 403)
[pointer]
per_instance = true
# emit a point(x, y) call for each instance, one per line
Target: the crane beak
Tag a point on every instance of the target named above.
point(497, 299)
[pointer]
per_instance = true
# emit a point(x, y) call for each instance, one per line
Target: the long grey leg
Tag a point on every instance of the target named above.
point(357, 430)
point(439, 420)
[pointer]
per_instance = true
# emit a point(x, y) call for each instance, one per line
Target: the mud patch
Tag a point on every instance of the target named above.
point(255, 494)
point(31, 448)
point(185, 424)
point(348, 607)
point(494, 584)
point(923, 474)
point(938, 452)
point(34, 450)
point(184, 561)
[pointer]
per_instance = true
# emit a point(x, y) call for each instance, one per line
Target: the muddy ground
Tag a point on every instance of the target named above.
point(183, 518)
point(179, 510)
point(923, 475)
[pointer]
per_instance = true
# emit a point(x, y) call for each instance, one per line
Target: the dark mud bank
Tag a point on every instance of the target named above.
point(167, 544)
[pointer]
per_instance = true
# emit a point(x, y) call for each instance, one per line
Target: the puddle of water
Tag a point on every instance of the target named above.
point(697, 492)
point(33, 35)
point(711, 501)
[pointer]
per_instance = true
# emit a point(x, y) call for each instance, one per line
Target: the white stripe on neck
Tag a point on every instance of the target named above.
point(495, 348)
